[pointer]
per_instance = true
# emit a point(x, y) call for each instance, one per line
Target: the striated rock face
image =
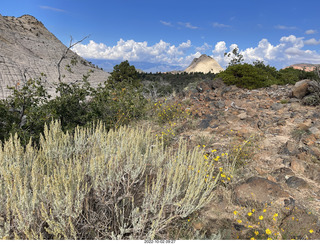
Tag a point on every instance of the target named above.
point(28, 49)
point(204, 64)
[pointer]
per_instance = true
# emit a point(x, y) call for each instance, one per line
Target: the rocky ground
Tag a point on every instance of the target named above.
point(281, 180)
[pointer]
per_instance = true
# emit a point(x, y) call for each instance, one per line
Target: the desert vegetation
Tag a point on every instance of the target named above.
point(109, 162)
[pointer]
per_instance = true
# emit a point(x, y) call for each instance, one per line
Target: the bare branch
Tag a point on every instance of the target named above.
point(71, 45)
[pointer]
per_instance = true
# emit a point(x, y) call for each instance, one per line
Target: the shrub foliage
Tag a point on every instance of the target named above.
point(98, 184)
point(258, 75)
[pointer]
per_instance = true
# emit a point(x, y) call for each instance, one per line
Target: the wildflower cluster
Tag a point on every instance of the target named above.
point(216, 161)
point(166, 112)
point(266, 223)
point(168, 133)
point(262, 224)
point(241, 152)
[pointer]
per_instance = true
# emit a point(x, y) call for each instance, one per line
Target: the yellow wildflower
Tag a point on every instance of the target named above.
point(250, 226)
point(268, 232)
point(239, 221)
point(275, 215)
point(269, 239)
point(252, 238)
point(256, 232)
point(249, 214)
point(223, 175)
point(261, 217)
point(264, 210)
point(311, 231)
point(253, 210)
point(235, 212)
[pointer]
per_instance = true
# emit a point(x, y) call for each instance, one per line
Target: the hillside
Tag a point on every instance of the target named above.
point(28, 49)
point(306, 67)
point(204, 64)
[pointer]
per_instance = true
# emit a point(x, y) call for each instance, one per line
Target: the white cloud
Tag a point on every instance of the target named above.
point(166, 23)
point(203, 48)
point(219, 25)
point(283, 27)
point(312, 41)
point(161, 52)
point(188, 25)
point(310, 32)
point(52, 9)
point(289, 50)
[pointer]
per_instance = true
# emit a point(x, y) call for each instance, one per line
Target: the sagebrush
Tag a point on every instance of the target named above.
point(98, 184)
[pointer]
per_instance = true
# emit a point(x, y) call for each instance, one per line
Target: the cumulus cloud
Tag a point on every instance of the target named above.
point(312, 41)
point(310, 32)
point(289, 50)
point(161, 52)
point(219, 25)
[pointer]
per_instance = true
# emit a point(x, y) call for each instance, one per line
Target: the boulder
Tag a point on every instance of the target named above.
point(300, 89)
point(257, 190)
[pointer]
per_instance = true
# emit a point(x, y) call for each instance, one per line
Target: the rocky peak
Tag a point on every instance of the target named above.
point(204, 64)
point(28, 49)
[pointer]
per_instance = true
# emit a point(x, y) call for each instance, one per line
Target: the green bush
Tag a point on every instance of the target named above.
point(99, 184)
point(247, 76)
point(77, 104)
point(258, 75)
point(291, 75)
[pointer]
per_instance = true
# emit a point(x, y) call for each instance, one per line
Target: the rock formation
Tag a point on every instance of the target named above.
point(204, 64)
point(306, 67)
point(28, 49)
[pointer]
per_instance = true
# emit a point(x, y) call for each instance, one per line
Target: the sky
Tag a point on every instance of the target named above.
point(168, 34)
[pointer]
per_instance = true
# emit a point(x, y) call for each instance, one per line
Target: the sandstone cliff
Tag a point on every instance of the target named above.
point(28, 49)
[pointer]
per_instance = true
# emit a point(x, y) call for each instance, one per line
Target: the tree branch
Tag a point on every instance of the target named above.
point(66, 52)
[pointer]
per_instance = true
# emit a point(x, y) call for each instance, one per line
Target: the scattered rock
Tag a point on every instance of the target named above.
point(218, 104)
point(297, 166)
point(295, 182)
point(257, 190)
point(217, 83)
point(243, 116)
point(289, 148)
point(281, 174)
point(277, 106)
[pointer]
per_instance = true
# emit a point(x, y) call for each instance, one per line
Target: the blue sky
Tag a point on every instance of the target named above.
point(171, 33)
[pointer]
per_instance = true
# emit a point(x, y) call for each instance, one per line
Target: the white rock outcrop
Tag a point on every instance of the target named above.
point(204, 64)
point(28, 49)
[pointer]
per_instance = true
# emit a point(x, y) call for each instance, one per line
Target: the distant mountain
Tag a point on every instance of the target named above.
point(147, 67)
point(204, 64)
point(306, 67)
point(28, 49)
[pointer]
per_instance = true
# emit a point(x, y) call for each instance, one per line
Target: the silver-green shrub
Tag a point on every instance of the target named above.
point(99, 184)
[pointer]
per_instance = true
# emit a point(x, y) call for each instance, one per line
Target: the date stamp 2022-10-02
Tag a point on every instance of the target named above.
point(159, 241)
